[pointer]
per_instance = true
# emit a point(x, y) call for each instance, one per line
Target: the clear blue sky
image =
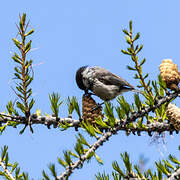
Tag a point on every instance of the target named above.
point(69, 34)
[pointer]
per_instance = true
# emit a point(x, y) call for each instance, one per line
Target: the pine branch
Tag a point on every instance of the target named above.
point(80, 162)
point(23, 70)
point(175, 175)
point(6, 171)
point(121, 124)
point(107, 135)
point(44, 120)
point(152, 108)
point(48, 121)
point(23, 67)
point(10, 169)
point(165, 169)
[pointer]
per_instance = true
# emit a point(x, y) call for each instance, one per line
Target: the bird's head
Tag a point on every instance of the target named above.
point(79, 78)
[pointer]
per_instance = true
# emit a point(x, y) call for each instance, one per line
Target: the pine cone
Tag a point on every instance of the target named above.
point(173, 114)
point(87, 104)
point(170, 74)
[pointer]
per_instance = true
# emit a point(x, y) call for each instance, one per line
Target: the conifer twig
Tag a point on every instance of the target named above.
point(174, 175)
point(108, 134)
point(6, 170)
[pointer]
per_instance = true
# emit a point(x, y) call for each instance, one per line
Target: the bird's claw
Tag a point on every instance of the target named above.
point(96, 107)
point(88, 94)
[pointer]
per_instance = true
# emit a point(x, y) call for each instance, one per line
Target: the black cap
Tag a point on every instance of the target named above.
point(79, 78)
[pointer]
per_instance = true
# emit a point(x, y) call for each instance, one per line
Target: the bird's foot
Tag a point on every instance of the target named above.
point(88, 94)
point(99, 105)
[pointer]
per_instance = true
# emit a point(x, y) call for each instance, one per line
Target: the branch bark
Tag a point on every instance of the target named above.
point(107, 135)
point(6, 170)
point(175, 175)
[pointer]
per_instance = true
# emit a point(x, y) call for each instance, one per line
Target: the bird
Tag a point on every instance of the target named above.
point(102, 82)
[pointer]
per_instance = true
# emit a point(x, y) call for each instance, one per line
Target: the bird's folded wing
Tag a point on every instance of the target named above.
point(109, 78)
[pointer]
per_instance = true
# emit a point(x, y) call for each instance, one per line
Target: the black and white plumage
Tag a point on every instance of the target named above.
point(101, 82)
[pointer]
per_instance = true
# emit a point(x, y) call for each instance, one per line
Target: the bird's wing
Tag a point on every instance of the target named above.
point(109, 78)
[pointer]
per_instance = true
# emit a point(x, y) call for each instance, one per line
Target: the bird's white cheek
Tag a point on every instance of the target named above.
point(86, 83)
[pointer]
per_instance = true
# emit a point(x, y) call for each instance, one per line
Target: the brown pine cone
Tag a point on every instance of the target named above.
point(170, 74)
point(173, 114)
point(87, 104)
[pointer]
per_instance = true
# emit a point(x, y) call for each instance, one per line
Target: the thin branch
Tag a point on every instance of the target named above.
point(47, 121)
point(107, 135)
point(174, 175)
point(148, 109)
point(120, 125)
point(6, 170)
point(80, 162)
point(138, 68)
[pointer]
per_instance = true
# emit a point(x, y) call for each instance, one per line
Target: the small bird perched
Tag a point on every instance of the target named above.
point(101, 82)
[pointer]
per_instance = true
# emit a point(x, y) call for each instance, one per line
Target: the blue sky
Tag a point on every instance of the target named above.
point(70, 34)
